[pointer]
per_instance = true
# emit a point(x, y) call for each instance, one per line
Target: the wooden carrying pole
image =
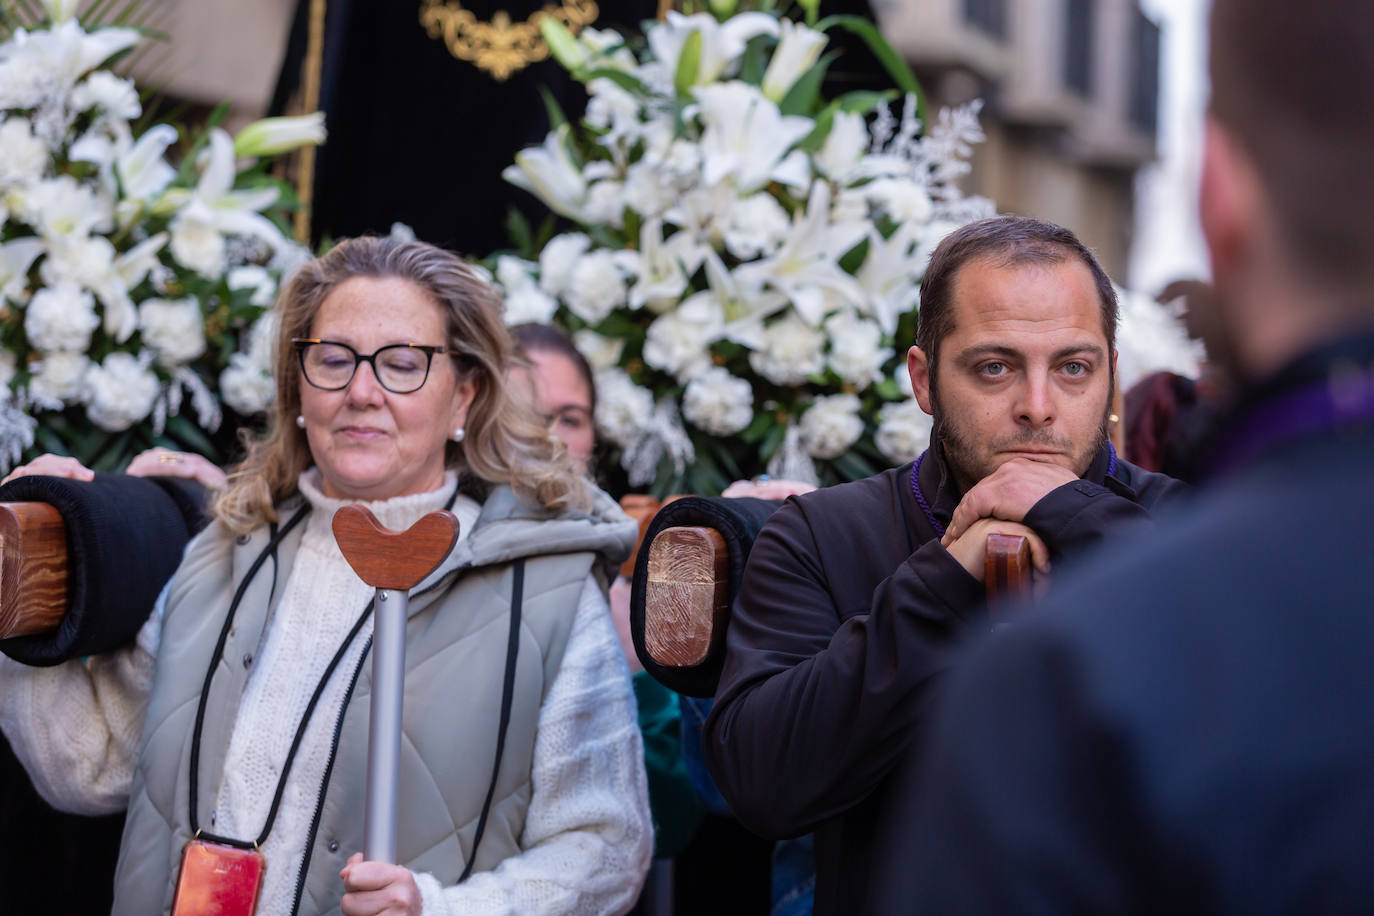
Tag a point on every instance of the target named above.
point(686, 599)
point(393, 563)
point(33, 568)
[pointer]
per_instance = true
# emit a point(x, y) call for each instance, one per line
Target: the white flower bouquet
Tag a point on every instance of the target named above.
point(743, 257)
point(130, 287)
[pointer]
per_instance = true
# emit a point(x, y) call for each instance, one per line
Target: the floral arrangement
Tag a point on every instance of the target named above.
point(745, 256)
point(130, 288)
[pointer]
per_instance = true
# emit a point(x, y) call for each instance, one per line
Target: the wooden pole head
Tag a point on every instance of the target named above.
point(389, 559)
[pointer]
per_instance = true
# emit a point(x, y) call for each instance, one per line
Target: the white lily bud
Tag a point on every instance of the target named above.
point(271, 136)
point(59, 10)
point(797, 51)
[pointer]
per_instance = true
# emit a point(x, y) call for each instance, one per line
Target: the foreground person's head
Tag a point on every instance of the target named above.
point(1287, 192)
point(390, 368)
point(1015, 347)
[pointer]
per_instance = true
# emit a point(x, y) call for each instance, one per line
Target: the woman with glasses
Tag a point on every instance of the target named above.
point(240, 717)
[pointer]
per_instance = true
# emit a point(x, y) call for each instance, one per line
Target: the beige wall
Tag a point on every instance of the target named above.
point(219, 50)
point(1026, 176)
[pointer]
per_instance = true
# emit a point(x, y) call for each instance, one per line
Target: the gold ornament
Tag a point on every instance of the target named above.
point(500, 47)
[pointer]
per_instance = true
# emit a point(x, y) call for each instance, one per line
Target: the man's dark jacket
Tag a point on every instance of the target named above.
point(1203, 742)
point(848, 609)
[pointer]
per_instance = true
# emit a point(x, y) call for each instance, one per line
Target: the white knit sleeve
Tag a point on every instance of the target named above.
point(588, 836)
point(76, 726)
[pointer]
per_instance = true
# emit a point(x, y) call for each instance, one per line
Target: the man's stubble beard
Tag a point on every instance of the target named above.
point(962, 457)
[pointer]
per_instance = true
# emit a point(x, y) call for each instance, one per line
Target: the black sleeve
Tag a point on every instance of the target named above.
point(1016, 801)
point(816, 702)
point(1078, 515)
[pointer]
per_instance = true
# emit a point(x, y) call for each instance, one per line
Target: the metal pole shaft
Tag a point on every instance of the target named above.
point(384, 740)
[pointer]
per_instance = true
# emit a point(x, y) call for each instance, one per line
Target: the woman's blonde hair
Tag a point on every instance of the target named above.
point(504, 441)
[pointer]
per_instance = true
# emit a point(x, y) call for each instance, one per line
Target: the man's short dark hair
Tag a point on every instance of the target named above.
point(1006, 241)
point(1294, 82)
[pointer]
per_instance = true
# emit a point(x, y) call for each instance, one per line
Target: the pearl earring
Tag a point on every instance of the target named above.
point(458, 434)
point(300, 421)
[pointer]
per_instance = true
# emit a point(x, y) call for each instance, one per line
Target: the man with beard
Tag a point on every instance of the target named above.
point(854, 595)
point(1201, 742)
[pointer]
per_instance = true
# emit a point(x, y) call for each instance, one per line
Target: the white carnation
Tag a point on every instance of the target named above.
point(903, 431)
point(756, 226)
point(119, 392)
point(902, 376)
point(646, 192)
point(23, 157)
point(831, 425)
point(623, 409)
point(107, 92)
point(679, 341)
point(900, 198)
point(58, 378)
point(718, 403)
point(557, 260)
point(84, 261)
point(601, 352)
point(792, 350)
point(246, 385)
point(525, 301)
point(262, 341)
point(257, 279)
point(606, 204)
point(174, 328)
point(61, 317)
point(596, 286)
point(857, 353)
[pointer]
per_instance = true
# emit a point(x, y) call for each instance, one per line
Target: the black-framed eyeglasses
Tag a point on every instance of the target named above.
point(330, 365)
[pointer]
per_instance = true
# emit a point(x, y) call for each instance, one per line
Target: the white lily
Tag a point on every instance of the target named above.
point(722, 43)
point(15, 259)
point(272, 136)
point(61, 208)
point(549, 173)
point(806, 268)
point(743, 307)
point(747, 138)
point(842, 153)
point(797, 51)
point(37, 69)
point(216, 210)
point(664, 266)
point(142, 173)
point(891, 275)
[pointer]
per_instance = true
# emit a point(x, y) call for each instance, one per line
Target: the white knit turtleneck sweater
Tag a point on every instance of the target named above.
point(76, 729)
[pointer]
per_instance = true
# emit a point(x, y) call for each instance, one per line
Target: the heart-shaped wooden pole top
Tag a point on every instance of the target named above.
point(393, 559)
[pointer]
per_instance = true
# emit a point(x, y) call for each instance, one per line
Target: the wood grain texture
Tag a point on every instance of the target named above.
point(33, 568)
point(1007, 569)
point(393, 559)
point(685, 600)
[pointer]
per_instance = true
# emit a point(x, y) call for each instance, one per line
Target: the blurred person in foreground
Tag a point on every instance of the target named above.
point(1186, 727)
point(391, 392)
point(854, 595)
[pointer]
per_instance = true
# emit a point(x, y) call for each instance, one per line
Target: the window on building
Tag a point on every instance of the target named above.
point(1079, 22)
point(1144, 111)
point(988, 15)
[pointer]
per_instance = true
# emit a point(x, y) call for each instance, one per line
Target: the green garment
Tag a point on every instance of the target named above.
point(672, 800)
